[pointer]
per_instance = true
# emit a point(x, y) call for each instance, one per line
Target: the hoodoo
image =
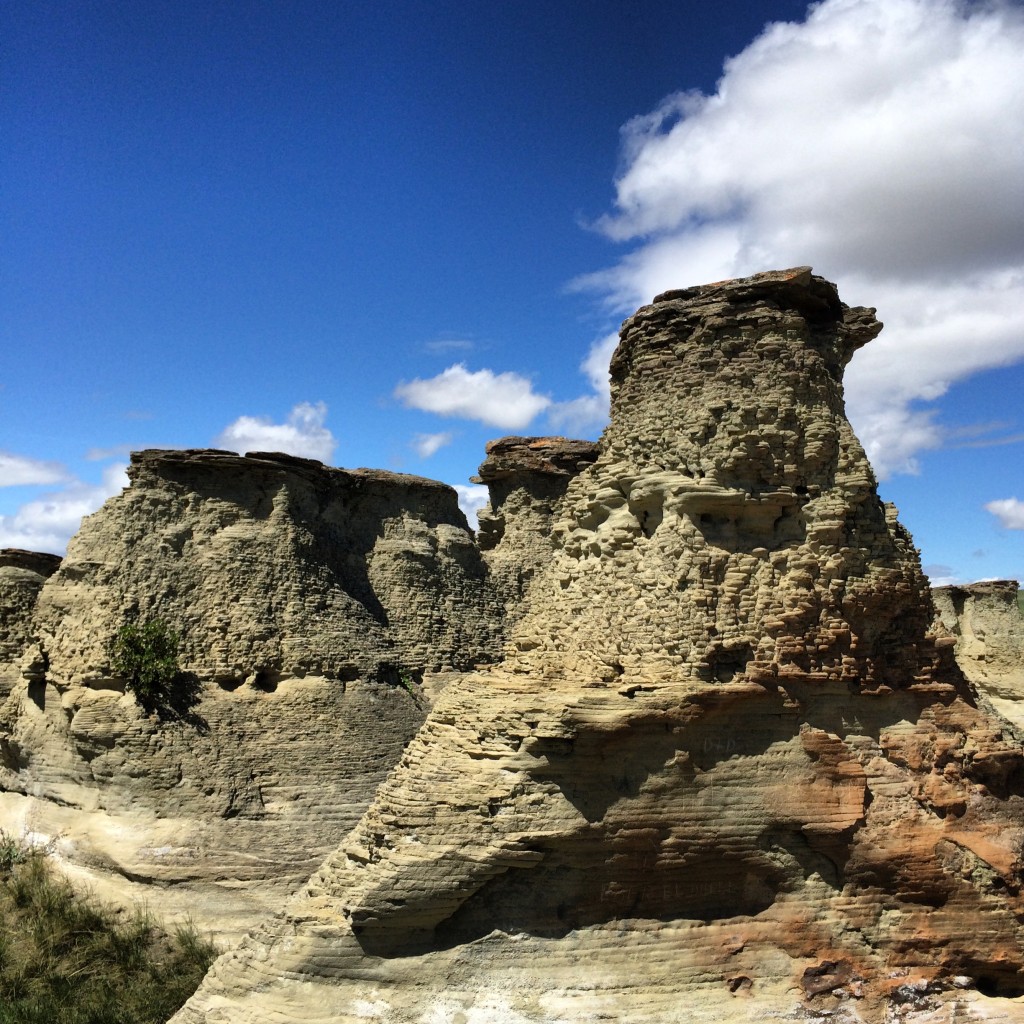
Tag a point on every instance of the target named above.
point(724, 769)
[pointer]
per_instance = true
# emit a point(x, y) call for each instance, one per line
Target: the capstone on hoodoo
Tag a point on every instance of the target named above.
point(725, 770)
point(526, 478)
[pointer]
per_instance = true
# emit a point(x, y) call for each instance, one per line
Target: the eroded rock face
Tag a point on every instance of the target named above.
point(22, 575)
point(724, 772)
point(311, 604)
point(988, 625)
point(270, 566)
point(526, 478)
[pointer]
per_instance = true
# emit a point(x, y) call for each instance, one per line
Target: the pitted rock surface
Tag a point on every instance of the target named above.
point(272, 566)
point(22, 575)
point(725, 773)
point(311, 604)
point(526, 478)
point(986, 620)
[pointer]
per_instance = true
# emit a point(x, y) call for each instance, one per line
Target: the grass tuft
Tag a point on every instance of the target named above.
point(65, 959)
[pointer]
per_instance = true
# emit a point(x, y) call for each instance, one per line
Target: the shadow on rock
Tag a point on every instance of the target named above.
point(178, 702)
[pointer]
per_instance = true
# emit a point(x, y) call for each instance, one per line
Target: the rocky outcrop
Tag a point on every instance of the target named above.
point(987, 622)
point(725, 771)
point(316, 608)
point(22, 575)
point(270, 567)
point(526, 477)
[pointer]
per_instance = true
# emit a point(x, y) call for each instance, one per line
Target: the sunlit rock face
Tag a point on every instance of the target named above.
point(526, 479)
point(987, 622)
point(272, 566)
point(731, 527)
point(724, 772)
point(312, 605)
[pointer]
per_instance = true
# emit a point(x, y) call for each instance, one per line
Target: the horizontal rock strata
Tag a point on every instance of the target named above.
point(526, 477)
point(725, 771)
point(312, 606)
point(988, 624)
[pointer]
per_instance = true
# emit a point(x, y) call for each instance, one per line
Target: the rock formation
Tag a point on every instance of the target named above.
point(526, 477)
point(22, 575)
point(312, 603)
point(724, 771)
point(271, 567)
point(987, 622)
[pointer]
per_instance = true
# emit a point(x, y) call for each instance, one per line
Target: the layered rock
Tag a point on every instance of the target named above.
point(987, 622)
point(526, 477)
point(270, 566)
point(724, 772)
point(22, 575)
point(311, 603)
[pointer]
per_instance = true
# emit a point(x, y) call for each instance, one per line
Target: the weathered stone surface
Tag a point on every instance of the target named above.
point(988, 625)
point(22, 575)
point(311, 604)
point(526, 477)
point(271, 566)
point(725, 771)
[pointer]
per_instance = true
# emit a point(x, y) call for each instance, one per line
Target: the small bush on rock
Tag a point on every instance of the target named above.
point(146, 657)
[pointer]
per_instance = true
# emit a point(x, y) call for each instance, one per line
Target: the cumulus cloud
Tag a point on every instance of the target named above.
point(880, 141)
point(504, 400)
point(426, 445)
point(302, 434)
point(940, 575)
point(48, 522)
point(1009, 512)
point(588, 414)
point(102, 454)
point(21, 470)
point(472, 498)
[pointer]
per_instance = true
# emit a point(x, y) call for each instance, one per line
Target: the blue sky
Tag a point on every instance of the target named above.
point(383, 234)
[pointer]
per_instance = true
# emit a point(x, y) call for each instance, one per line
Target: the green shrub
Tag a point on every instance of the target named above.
point(65, 959)
point(146, 657)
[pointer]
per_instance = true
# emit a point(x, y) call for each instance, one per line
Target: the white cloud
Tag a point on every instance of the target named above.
point(579, 417)
point(48, 522)
point(472, 498)
point(426, 445)
point(302, 434)
point(102, 454)
point(1009, 512)
point(587, 415)
point(880, 141)
point(448, 345)
point(20, 470)
point(940, 575)
point(504, 400)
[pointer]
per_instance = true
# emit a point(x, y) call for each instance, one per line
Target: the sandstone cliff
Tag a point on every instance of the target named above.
point(724, 772)
point(311, 605)
point(988, 625)
point(526, 477)
point(271, 567)
point(22, 575)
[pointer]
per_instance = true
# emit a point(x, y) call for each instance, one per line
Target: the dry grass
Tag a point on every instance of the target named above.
point(65, 959)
